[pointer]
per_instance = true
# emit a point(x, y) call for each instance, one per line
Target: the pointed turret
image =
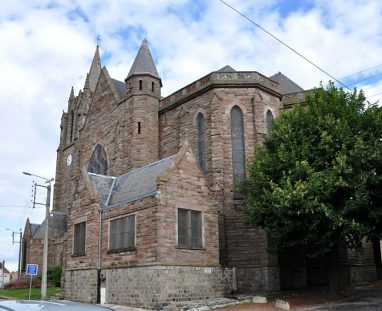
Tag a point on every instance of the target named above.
point(143, 95)
point(95, 70)
point(143, 63)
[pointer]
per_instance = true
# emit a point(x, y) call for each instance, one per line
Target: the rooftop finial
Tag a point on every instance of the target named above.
point(98, 39)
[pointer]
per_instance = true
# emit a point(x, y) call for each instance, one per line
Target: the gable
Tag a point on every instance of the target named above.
point(108, 93)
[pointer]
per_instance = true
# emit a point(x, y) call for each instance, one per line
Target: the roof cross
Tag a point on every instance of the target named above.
point(98, 39)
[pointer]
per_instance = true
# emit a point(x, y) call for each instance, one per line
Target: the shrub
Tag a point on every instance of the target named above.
point(54, 276)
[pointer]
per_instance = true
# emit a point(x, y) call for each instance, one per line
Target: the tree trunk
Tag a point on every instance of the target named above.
point(334, 273)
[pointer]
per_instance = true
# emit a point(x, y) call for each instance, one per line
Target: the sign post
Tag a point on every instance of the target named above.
point(32, 270)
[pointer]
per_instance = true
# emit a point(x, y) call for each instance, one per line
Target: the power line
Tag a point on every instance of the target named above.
point(370, 87)
point(359, 72)
point(374, 95)
point(368, 78)
point(283, 43)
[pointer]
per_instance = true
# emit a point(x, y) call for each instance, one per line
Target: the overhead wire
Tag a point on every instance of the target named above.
point(370, 87)
point(374, 95)
point(368, 78)
point(286, 45)
point(359, 72)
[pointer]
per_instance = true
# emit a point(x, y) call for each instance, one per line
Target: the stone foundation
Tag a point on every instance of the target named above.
point(361, 273)
point(149, 287)
point(81, 285)
point(252, 279)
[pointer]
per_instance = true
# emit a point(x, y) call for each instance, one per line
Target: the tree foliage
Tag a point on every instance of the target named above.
point(317, 178)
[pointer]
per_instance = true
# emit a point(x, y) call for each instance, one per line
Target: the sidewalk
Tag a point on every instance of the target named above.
point(314, 299)
point(303, 300)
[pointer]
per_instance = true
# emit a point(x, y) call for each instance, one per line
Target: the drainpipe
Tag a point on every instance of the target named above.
point(99, 263)
point(100, 213)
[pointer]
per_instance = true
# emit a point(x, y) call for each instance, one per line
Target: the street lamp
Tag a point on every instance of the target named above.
point(45, 254)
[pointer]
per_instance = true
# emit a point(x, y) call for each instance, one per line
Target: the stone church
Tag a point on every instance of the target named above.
point(147, 183)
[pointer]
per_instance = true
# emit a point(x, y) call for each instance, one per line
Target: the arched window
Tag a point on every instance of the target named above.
point(238, 147)
point(71, 126)
point(98, 161)
point(201, 141)
point(269, 120)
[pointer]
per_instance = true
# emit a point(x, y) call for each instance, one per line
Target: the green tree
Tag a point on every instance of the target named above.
point(317, 179)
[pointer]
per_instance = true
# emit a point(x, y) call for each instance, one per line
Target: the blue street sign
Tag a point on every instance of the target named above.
point(32, 269)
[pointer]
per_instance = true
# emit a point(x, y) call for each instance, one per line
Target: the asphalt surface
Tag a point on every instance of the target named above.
point(364, 299)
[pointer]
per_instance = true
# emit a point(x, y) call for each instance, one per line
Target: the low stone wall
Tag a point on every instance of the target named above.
point(251, 279)
point(81, 285)
point(157, 286)
point(362, 273)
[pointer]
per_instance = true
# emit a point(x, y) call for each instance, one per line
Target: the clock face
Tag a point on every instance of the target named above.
point(69, 160)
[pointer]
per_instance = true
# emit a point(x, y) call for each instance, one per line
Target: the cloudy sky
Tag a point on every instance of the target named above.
point(46, 47)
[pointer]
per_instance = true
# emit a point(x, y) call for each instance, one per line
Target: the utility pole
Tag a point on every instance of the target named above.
point(19, 267)
point(46, 233)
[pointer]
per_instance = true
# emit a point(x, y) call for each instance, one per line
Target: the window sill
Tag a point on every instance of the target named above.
point(121, 250)
point(78, 255)
point(191, 248)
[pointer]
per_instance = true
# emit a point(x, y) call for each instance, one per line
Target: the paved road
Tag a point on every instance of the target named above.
point(368, 299)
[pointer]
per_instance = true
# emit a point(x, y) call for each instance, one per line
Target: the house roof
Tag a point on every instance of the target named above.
point(134, 185)
point(287, 86)
point(143, 62)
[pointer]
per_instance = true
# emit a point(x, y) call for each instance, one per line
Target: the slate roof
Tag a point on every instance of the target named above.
point(143, 63)
point(132, 186)
point(34, 228)
point(287, 86)
point(57, 227)
point(120, 87)
point(102, 185)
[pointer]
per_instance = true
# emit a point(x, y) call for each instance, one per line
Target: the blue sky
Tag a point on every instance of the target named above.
point(47, 47)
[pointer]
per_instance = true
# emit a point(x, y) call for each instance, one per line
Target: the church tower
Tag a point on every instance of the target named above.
point(143, 95)
point(72, 122)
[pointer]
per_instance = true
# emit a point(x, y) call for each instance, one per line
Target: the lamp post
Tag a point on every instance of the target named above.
point(45, 253)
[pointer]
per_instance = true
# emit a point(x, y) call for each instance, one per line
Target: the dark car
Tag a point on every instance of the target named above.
point(52, 305)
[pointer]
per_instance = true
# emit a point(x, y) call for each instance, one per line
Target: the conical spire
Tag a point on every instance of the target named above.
point(71, 96)
point(87, 83)
point(143, 63)
point(95, 70)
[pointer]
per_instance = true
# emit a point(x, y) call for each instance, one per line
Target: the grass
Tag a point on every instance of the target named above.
point(23, 293)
